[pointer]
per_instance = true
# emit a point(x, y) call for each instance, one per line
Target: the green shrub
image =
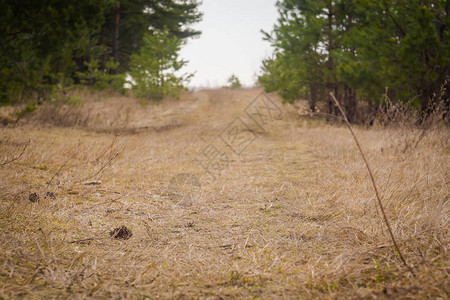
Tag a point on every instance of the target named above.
point(234, 82)
point(29, 108)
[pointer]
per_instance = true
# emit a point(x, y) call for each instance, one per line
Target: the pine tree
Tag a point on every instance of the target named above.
point(154, 69)
point(357, 48)
point(55, 42)
point(127, 21)
point(234, 82)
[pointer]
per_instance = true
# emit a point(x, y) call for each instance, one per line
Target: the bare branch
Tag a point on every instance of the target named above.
point(62, 167)
point(372, 178)
point(113, 155)
point(17, 157)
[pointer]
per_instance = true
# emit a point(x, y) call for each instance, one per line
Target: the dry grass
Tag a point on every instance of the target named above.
point(293, 216)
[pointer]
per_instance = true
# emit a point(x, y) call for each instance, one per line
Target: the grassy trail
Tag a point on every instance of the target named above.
point(286, 211)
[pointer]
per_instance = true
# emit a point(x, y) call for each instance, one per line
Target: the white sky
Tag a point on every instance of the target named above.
point(231, 41)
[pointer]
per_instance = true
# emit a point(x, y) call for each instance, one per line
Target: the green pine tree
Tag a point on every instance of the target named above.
point(357, 48)
point(234, 82)
point(155, 69)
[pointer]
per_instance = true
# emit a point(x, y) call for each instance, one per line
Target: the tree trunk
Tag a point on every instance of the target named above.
point(351, 104)
point(331, 85)
point(115, 49)
point(313, 97)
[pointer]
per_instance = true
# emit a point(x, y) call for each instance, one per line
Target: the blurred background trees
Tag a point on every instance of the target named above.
point(233, 82)
point(358, 49)
point(54, 43)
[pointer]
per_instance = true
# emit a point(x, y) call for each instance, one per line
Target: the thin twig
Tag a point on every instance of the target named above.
point(380, 204)
point(104, 202)
point(108, 162)
point(62, 167)
point(111, 158)
point(19, 156)
point(110, 147)
point(96, 237)
point(82, 241)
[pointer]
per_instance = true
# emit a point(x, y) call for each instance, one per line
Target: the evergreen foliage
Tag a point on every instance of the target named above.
point(154, 70)
point(89, 42)
point(234, 82)
point(358, 48)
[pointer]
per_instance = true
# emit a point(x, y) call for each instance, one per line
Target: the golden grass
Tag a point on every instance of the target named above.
point(293, 216)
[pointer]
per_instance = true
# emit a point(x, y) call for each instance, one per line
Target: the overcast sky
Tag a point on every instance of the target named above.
point(231, 41)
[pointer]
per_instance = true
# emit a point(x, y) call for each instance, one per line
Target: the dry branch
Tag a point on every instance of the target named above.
point(109, 161)
point(61, 168)
point(372, 178)
point(17, 157)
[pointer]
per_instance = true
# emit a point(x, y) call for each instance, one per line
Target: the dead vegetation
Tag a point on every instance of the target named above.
point(293, 216)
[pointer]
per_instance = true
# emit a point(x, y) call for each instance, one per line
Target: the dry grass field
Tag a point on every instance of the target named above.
point(218, 210)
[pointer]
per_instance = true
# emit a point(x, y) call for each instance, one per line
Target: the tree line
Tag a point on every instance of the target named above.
point(46, 44)
point(360, 50)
